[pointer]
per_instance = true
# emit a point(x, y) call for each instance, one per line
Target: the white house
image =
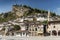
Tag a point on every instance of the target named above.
point(29, 18)
point(19, 20)
point(35, 29)
point(54, 28)
point(41, 19)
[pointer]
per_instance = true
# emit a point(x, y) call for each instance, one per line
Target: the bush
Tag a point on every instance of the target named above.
point(17, 27)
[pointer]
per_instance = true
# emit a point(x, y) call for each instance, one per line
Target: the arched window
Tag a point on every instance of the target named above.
point(54, 33)
point(59, 33)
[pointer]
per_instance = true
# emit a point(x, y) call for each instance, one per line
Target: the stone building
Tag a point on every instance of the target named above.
point(54, 28)
point(35, 29)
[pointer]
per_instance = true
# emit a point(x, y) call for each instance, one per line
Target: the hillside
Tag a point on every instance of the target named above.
point(27, 10)
point(23, 11)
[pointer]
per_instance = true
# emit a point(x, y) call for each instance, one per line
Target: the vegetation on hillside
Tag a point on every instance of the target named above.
point(11, 16)
point(7, 16)
point(33, 11)
point(17, 27)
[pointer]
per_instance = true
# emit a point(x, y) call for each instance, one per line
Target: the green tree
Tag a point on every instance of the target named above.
point(45, 22)
point(5, 15)
point(53, 14)
point(17, 27)
point(37, 10)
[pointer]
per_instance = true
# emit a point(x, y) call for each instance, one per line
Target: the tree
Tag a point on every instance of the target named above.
point(5, 15)
point(53, 14)
point(45, 22)
point(37, 10)
point(17, 27)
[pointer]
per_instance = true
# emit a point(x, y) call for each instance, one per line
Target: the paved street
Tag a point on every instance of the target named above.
point(30, 38)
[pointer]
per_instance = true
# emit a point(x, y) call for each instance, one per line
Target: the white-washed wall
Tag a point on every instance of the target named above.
point(51, 28)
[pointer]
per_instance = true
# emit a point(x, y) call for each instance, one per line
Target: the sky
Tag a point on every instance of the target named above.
point(52, 5)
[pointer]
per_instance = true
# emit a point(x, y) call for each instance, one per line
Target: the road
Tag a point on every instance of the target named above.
point(30, 38)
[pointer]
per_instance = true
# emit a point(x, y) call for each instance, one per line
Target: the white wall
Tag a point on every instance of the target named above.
point(51, 27)
point(41, 19)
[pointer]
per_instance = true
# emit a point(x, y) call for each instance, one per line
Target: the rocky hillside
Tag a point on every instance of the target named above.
point(23, 11)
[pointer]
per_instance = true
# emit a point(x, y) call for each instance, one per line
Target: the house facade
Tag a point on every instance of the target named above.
point(54, 28)
point(35, 29)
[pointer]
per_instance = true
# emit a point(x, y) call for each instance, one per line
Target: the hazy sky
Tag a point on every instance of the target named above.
point(53, 5)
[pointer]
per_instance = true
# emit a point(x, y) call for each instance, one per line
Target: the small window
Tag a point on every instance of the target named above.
point(54, 26)
point(54, 32)
point(35, 29)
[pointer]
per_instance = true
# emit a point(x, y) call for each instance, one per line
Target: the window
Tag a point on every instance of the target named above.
point(59, 33)
point(54, 33)
point(54, 26)
point(35, 29)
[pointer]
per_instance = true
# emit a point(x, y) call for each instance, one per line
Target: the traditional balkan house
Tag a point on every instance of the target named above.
point(41, 17)
point(54, 28)
point(30, 18)
point(35, 29)
point(22, 31)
